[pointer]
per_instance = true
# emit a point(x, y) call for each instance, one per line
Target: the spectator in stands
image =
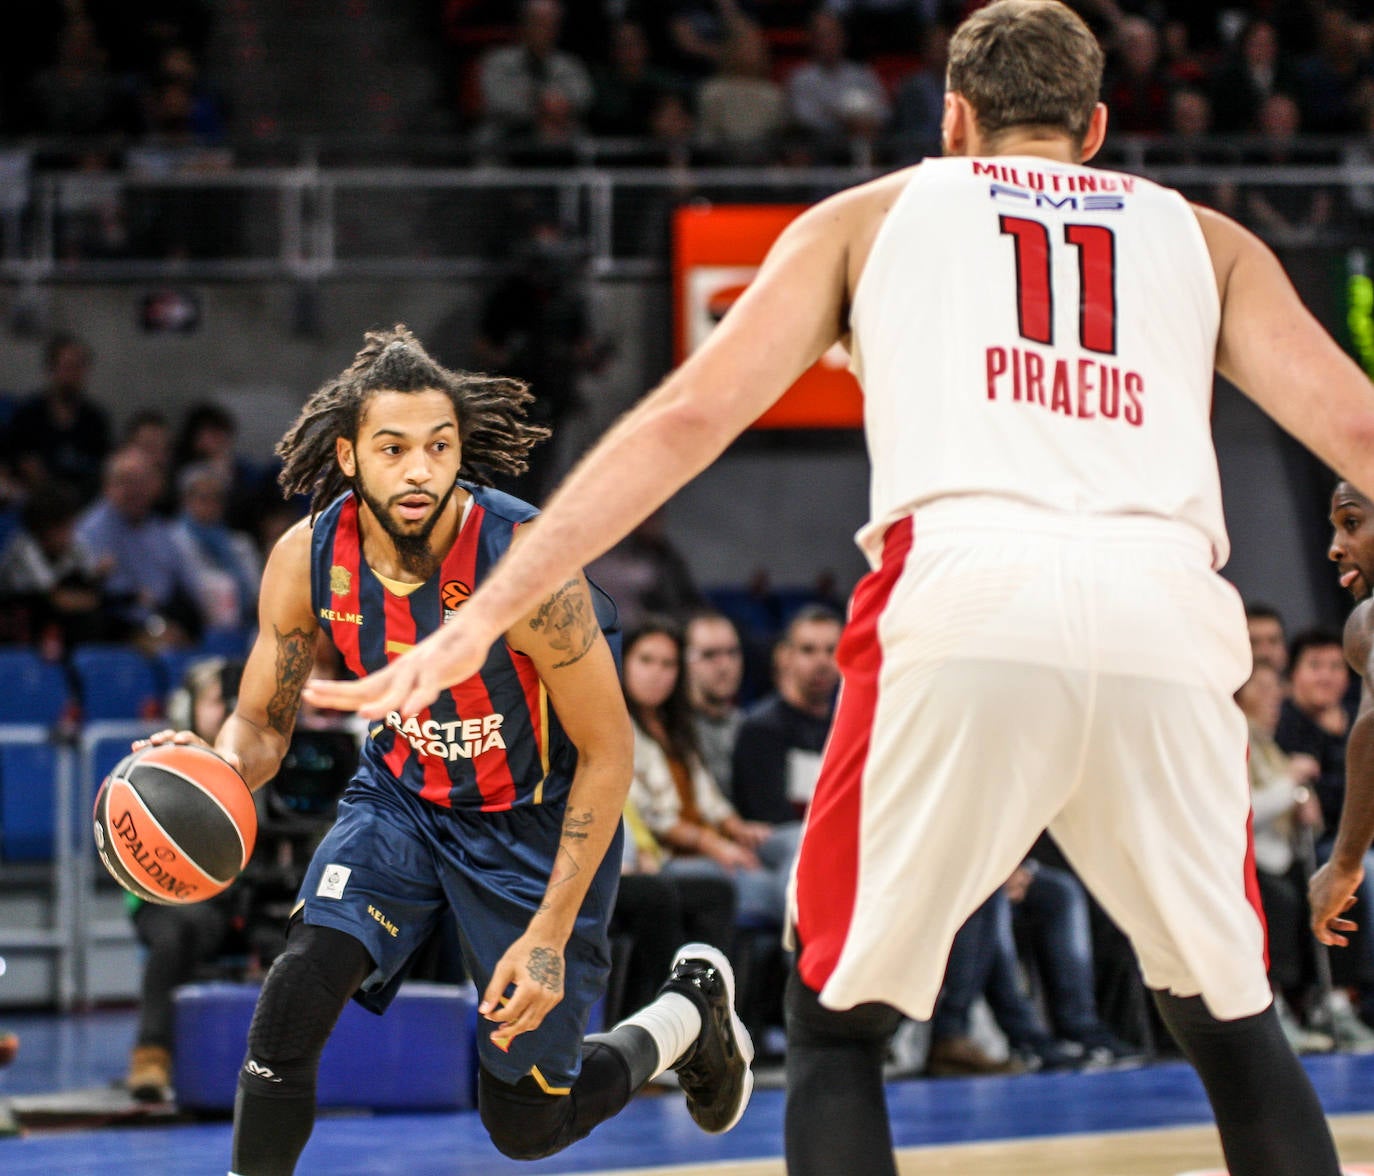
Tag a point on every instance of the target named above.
point(627, 88)
point(513, 78)
point(645, 574)
point(1314, 721)
point(50, 585)
point(830, 96)
point(982, 963)
point(150, 589)
point(1050, 917)
point(1331, 80)
point(1286, 811)
point(884, 26)
point(700, 31)
point(209, 433)
point(920, 102)
point(660, 910)
point(223, 564)
point(741, 110)
point(778, 749)
point(150, 431)
point(699, 830)
point(1284, 213)
point(1268, 642)
point(1256, 69)
point(536, 325)
point(60, 432)
point(715, 670)
point(179, 939)
point(1137, 89)
point(78, 95)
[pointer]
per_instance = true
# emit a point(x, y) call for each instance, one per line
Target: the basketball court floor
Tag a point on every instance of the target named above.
point(1151, 1121)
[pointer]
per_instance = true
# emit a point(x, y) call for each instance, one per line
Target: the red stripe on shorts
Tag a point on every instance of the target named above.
point(1252, 890)
point(828, 864)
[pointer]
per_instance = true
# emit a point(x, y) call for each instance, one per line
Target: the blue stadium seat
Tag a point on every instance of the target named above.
point(116, 682)
point(34, 692)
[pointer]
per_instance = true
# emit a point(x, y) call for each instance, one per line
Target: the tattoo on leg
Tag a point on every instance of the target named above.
point(570, 622)
point(546, 966)
point(295, 657)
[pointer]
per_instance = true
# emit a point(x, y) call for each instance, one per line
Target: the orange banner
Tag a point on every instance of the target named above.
point(716, 253)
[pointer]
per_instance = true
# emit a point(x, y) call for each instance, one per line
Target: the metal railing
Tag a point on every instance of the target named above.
point(310, 222)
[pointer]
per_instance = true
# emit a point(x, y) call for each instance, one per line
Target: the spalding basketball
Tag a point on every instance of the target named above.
point(174, 823)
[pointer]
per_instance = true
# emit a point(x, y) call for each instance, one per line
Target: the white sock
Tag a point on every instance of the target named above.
point(674, 1023)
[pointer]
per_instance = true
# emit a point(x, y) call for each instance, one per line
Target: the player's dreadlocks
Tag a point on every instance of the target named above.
point(495, 436)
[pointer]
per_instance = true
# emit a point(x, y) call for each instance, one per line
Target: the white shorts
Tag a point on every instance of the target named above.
point(1012, 670)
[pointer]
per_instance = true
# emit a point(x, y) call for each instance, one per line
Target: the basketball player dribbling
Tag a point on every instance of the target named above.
point(1044, 640)
point(498, 807)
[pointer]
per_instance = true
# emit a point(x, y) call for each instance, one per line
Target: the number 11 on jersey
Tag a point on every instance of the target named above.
point(1096, 245)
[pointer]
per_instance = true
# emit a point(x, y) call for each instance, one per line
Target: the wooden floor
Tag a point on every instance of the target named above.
point(1148, 1122)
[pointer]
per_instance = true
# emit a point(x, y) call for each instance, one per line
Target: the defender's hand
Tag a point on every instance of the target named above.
point(1330, 894)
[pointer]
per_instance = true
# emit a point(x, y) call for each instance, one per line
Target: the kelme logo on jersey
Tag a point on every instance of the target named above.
point(460, 739)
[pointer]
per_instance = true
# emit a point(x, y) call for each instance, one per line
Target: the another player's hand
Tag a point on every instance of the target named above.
point(158, 738)
point(413, 681)
point(1330, 894)
point(534, 966)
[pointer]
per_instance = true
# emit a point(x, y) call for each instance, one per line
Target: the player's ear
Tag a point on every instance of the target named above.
point(1096, 133)
point(957, 125)
point(348, 462)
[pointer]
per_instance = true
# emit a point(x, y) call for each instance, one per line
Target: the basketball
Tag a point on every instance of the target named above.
point(174, 824)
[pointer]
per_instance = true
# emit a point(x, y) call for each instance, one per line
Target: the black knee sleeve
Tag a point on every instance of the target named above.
point(1267, 1113)
point(301, 1000)
point(526, 1123)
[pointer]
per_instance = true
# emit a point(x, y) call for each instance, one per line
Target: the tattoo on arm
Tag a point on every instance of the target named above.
point(295, 656)
point(575, 825)
point(568, 621)
point(545, 967)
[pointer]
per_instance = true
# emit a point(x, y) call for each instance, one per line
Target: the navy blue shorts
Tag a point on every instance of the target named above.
point(394, 865)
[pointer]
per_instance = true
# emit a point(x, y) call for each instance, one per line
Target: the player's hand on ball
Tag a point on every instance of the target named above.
point(534, 966)
point(1330, 894)
point(183, 738)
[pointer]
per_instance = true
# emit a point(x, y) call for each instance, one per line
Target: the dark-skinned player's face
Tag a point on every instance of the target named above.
point(1352, 540)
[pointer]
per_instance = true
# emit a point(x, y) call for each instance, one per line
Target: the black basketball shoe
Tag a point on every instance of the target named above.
point(714, 1074)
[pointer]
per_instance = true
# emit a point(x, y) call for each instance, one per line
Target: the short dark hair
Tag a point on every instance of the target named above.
point(1258, 610)
point(811, 614)
point(1318, 637)
point(1027, 63)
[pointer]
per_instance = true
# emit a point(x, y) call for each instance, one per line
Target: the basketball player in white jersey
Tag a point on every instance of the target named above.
point(1043, 640)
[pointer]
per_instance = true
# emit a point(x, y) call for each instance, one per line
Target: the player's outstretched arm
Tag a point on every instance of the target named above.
point(1331, 891)
point(792, 312)
point(1274, 350)
point(565, 643)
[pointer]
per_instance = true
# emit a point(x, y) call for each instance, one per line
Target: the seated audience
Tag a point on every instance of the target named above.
point(831, 96)
point(741, 110)
point(223, 565)
point(715, 670)
point(514, 78)
point(699, 830)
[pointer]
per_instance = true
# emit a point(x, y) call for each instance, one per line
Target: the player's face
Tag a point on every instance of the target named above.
point(1352, 540)
point(405, 460)
point(715, 662)
point(1319, 678)
point(651, 669)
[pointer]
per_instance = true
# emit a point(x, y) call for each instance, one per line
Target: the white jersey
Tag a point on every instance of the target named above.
point(1044, 332)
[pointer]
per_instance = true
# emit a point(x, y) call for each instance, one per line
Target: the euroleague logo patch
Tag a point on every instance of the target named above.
point(452, 594)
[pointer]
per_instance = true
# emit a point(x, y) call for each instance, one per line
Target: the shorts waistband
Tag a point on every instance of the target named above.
point(949, 516)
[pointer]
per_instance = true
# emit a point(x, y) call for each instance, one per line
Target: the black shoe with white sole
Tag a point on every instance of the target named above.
point(714, 1073)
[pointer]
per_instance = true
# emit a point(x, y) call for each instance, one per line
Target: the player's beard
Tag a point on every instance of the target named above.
point(412, 547)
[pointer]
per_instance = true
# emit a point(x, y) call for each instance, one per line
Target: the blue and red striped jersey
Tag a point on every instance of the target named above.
point(490, 742)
